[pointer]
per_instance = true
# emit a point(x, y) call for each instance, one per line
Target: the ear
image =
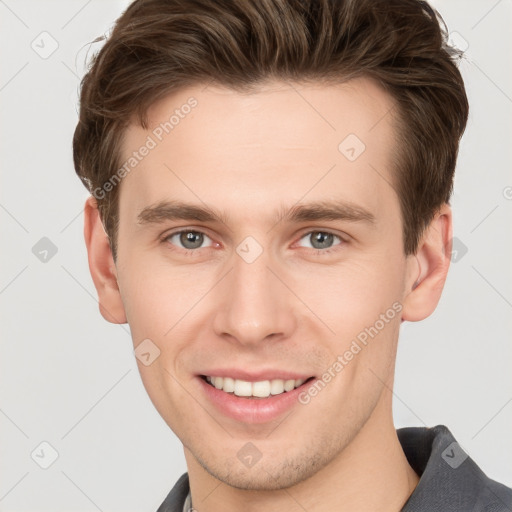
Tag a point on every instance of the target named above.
point(101, 265)
point(428, 273)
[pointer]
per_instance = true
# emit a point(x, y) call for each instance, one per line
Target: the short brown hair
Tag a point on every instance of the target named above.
point(159, 46)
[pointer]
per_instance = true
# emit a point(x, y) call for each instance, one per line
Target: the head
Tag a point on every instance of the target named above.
point(270, 184)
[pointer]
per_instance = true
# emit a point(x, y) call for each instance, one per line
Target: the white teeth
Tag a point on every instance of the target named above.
point(261, 389)
point(229, 385)
point(243, 388)
point(277, 387)
point(289, 385)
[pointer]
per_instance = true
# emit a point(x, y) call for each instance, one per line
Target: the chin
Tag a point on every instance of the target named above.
point(267, 475)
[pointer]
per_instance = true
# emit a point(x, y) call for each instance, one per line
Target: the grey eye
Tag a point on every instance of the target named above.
point(320, 239)
point(189, 239)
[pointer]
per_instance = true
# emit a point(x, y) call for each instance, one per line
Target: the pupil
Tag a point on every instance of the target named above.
point(191, 239)
point(320, 240)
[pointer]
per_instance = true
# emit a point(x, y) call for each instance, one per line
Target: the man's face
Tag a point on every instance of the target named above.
point(274, 289)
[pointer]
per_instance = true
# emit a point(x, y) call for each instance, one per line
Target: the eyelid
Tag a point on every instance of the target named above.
point(308, 231)
point(164, 238)
point(342, 237)
point(172, 231)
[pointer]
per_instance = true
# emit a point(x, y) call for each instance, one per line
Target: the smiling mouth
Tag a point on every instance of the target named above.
point(260, 389)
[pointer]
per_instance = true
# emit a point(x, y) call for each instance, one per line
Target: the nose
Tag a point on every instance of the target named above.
point(254, 305)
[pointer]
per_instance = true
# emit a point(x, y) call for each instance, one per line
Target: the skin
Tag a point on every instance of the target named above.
point(253, 156)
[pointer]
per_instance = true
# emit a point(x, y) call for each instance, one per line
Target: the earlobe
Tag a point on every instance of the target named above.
point(101, 265)
point(431, 269)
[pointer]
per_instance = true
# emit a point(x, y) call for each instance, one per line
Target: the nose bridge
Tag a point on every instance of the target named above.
point(254, 303)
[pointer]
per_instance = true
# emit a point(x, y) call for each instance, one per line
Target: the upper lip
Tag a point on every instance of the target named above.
point(255, 376)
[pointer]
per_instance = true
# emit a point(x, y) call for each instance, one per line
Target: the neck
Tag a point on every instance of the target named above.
point(371, 473)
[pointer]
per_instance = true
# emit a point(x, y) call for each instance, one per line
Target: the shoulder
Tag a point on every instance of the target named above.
point(176, 498)
point(450, 481)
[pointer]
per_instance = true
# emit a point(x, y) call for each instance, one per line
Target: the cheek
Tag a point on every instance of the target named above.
point(352, 296)
point(159, 304)
point(360, 304)
point(157, 298)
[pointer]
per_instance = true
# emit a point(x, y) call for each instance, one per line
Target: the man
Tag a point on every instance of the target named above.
point(270, 184)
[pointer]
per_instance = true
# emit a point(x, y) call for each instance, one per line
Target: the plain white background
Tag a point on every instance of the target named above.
point(70, 379)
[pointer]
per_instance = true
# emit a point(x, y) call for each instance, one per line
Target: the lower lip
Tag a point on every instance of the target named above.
point(252, 410)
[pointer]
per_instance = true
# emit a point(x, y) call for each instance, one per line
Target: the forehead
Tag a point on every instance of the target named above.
point(279, 143)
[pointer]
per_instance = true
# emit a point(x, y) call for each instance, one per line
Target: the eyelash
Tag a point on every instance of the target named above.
point(342, 241)
point(329, 250)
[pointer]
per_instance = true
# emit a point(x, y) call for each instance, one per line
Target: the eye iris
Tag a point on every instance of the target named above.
point(191, 239)
point(321, 240)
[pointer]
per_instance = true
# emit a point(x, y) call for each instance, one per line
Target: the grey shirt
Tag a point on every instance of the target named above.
point(449, 480)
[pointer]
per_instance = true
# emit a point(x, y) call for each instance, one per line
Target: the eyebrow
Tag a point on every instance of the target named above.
point(177, 210)
point(328, 210)
point(316, 211)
